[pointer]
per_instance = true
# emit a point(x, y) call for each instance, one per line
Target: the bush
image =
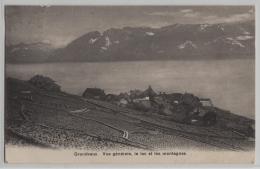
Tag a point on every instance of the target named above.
point(210, 118)
point(44, 83)
point(140, 107)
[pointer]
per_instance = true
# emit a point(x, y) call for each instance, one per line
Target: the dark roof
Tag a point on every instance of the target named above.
point(205, 99)
point(148, 92)
point(190, 99)
point(94, 92)
point(174, 96)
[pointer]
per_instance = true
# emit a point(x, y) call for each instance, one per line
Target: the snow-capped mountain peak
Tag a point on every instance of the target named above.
point(244, 37)
point(221, 27)
point(149, 33)
point(117, 42)
point(203, 27)
point(92, 40)
point(108, 43)
point(186, 44)
point(104, 48)
point(233, 41)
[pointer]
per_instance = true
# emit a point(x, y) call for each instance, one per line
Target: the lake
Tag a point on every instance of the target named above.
point(229, 83)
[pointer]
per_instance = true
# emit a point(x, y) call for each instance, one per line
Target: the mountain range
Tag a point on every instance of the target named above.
point(173, 42)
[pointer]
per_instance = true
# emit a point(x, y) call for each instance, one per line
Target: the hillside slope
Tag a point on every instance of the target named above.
point(61, 120)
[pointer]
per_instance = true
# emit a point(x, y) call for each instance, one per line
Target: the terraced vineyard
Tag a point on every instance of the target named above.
point(61, 120)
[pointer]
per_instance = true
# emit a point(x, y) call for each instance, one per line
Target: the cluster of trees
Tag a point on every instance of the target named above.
point(44, 83)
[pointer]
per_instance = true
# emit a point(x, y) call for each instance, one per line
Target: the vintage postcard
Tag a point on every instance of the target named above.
point(129, 84)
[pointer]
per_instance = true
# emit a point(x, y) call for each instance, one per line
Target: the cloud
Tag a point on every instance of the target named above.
point(46, 41)
point(182, 13)
point(189, 13)
point(239, 17)
point(186, 10)
point(191, 16)
point(232, 18)
point(162, 13)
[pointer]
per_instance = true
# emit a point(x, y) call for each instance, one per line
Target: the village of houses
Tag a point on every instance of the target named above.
point(185, 108)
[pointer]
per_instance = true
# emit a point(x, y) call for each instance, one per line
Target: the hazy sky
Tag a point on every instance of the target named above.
point(58, 25)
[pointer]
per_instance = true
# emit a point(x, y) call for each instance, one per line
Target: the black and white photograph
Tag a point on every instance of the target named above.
point(130, 81)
